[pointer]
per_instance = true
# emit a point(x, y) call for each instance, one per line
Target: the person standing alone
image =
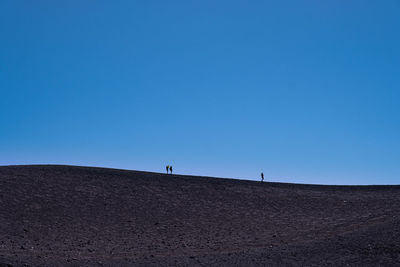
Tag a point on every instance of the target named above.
point(170, 169)
point(262, 177)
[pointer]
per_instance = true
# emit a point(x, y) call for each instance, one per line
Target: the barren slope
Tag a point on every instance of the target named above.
point(77, 216)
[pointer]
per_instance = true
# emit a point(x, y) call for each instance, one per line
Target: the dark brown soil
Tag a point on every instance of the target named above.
point(78, 216)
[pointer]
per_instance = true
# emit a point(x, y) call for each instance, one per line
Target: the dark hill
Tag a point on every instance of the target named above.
point(79, 216)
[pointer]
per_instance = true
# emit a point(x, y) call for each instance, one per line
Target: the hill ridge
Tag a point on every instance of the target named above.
point(60, 215)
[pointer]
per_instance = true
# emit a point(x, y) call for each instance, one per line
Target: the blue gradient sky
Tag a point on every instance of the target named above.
point(306, 91)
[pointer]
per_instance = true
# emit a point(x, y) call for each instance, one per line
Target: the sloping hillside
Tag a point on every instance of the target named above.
point(80, 216)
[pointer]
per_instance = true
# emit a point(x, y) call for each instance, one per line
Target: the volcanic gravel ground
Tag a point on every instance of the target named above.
point(80, 216)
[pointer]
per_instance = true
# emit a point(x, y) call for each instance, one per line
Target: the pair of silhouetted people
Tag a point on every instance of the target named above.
point(169, 168)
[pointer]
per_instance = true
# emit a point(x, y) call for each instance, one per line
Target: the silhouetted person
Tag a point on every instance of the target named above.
point(170, 169)
point(262, 177)
point(167, 167)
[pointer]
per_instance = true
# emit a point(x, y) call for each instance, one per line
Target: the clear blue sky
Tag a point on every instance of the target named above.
point(305, 91)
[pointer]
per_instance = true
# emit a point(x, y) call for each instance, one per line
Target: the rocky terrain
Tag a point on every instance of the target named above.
point(81, 216)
